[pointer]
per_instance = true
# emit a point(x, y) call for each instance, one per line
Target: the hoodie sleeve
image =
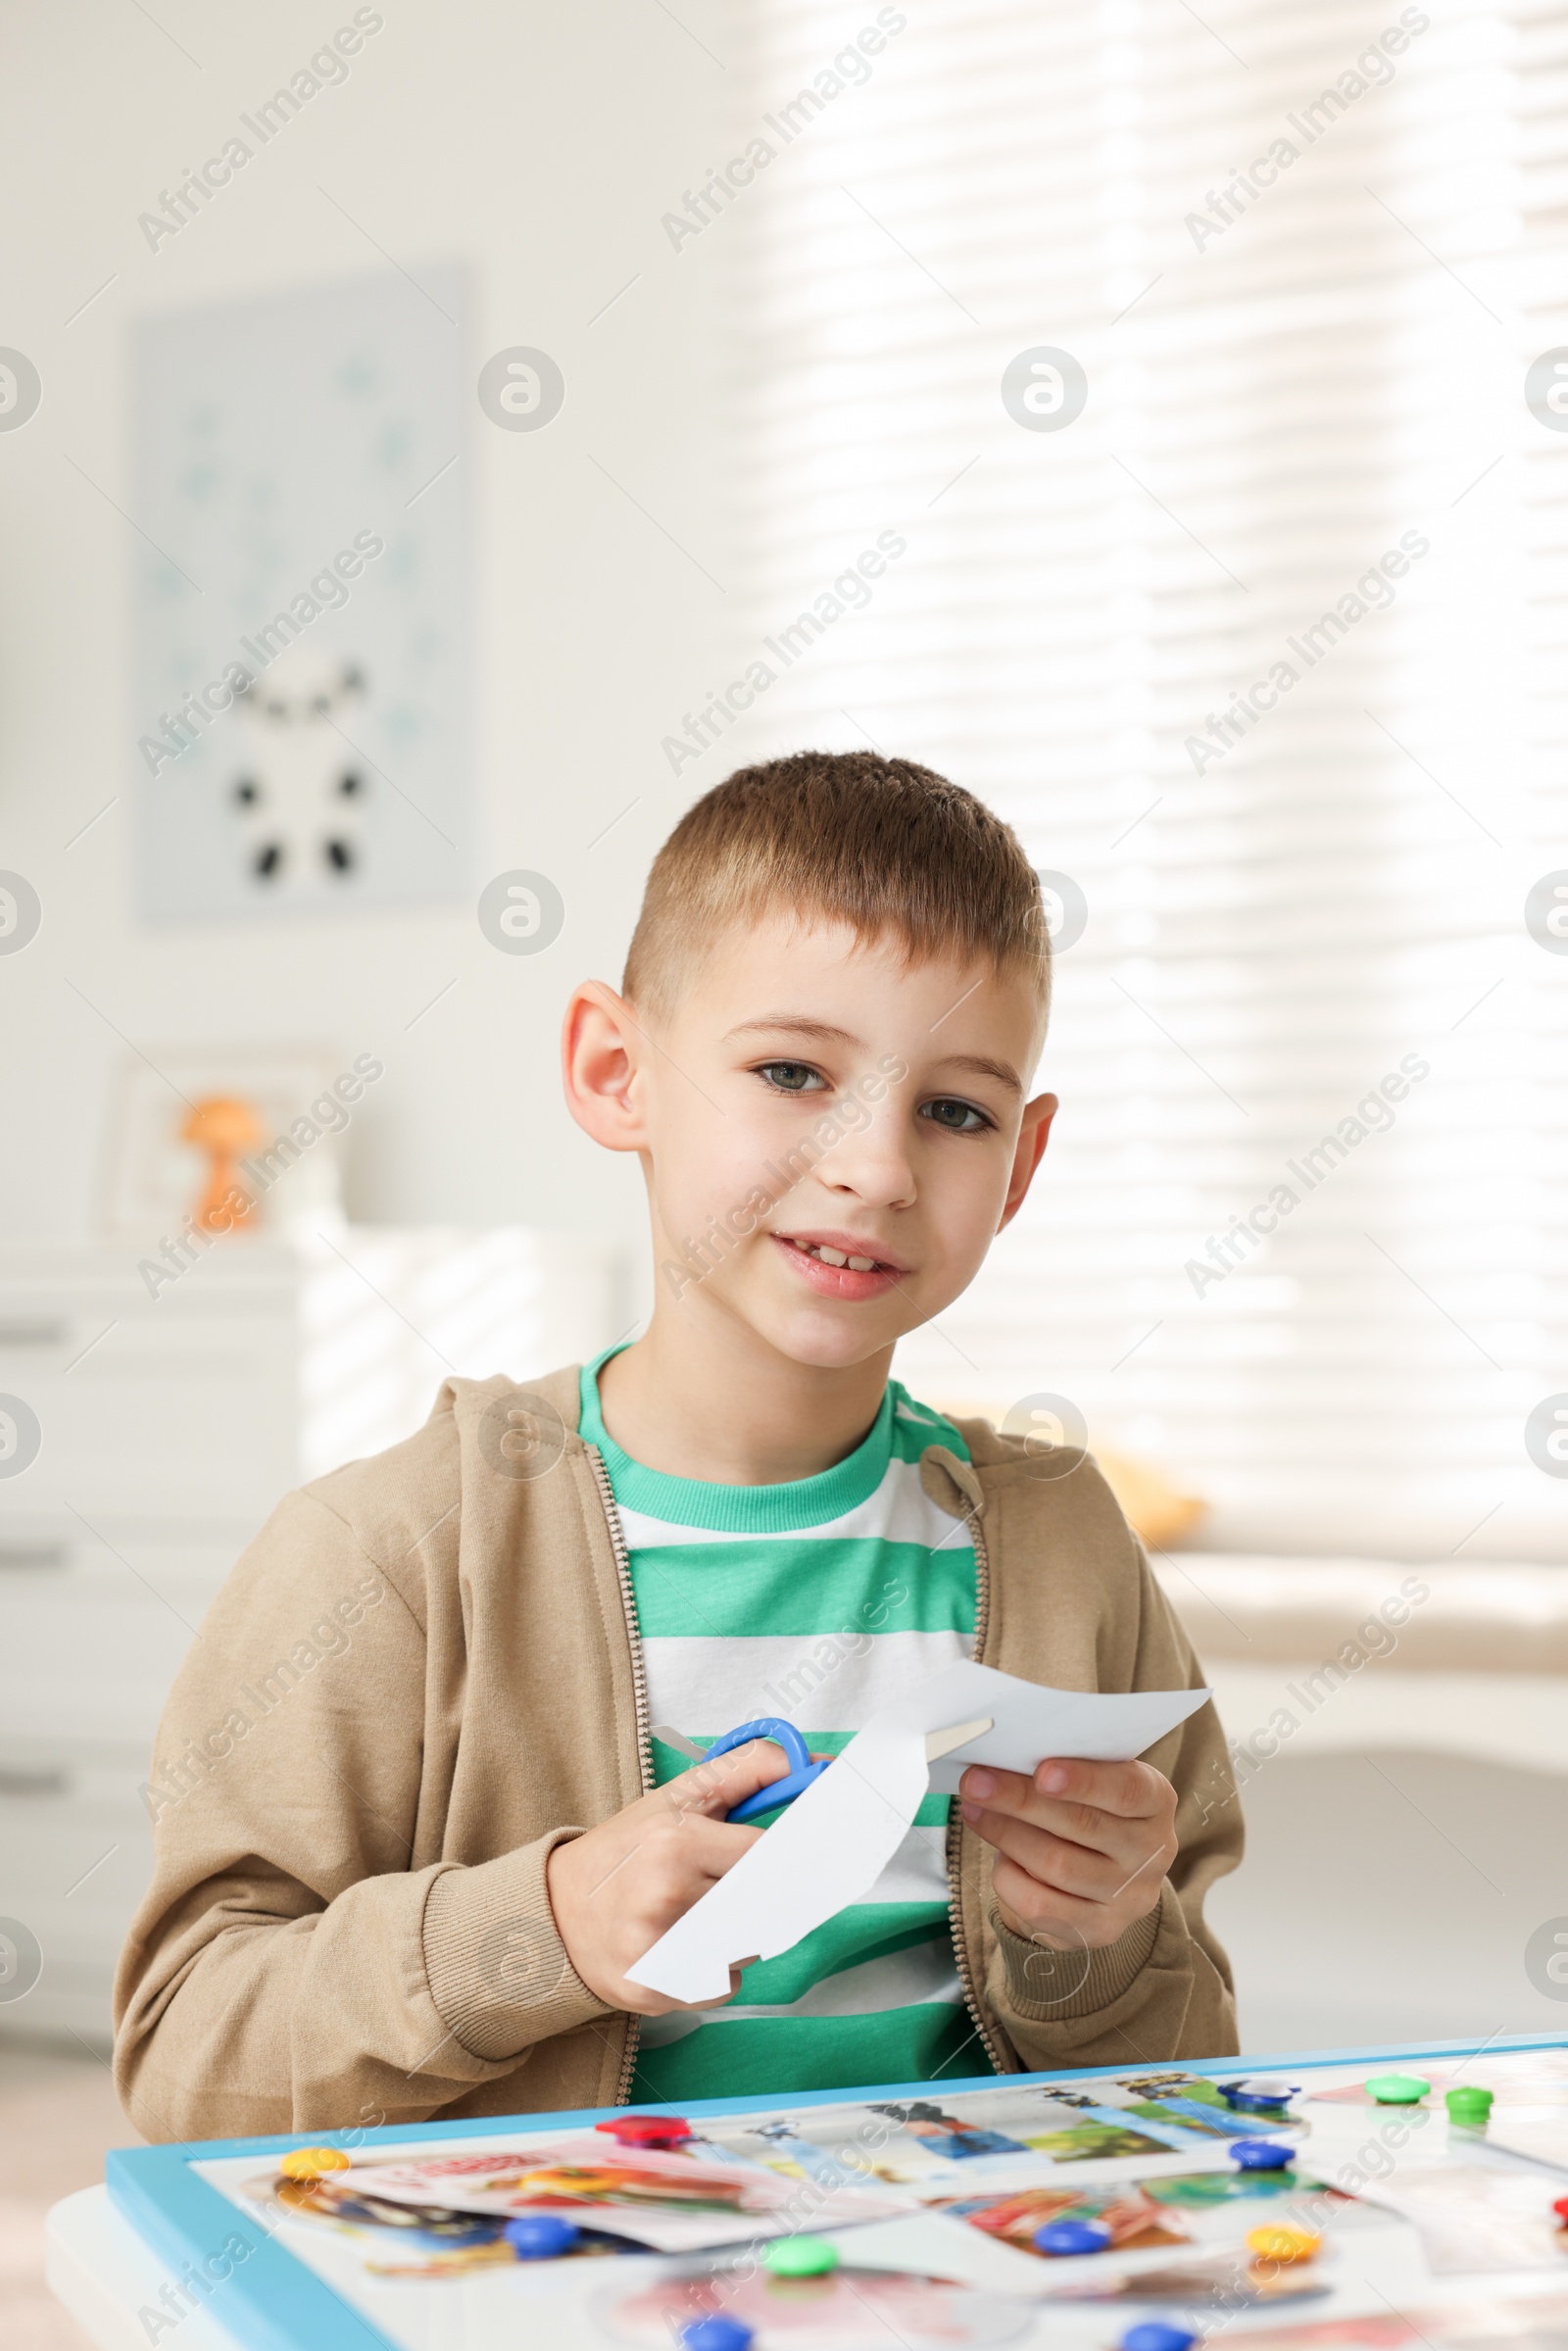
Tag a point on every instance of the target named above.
point(291, 1967)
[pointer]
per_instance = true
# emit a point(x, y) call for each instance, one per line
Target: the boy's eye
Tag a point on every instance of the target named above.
point(958, 1118)
point(792, 1077)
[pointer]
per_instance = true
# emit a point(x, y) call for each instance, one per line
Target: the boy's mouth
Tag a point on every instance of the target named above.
point(836, 1268)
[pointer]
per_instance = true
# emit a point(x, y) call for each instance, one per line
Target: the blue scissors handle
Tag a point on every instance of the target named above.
point(801, 1772)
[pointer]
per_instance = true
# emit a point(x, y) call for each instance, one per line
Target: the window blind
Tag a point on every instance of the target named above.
point(1262, 651)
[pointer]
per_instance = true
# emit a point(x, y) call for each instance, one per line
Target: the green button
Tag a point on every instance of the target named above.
point(799, 2257)
point(1470, 2106)
point(1396, 2090)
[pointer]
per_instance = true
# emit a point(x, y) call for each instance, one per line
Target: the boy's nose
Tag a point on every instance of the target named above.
point(872, 1162)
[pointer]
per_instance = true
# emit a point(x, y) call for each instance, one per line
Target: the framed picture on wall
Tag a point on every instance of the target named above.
point(301, 646)
point(184, 1128)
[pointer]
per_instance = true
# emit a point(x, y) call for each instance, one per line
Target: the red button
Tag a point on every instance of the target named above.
point(647, 2130)
point(1560, 2208)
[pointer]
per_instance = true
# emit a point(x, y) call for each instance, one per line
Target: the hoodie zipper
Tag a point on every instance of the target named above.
point(639, 1683)
point(639, 1686)
point(971, 1998)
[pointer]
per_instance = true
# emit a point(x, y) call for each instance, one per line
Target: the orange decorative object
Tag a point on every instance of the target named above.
point(222, 1126)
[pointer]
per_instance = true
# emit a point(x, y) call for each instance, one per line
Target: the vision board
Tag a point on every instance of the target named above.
point(1381, 2199)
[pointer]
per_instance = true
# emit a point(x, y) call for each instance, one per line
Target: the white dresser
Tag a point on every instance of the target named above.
point(169, 1429)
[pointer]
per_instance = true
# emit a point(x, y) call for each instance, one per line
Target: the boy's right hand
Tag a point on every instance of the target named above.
point(617, 1888)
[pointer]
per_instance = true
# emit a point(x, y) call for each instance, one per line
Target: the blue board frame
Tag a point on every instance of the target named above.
point(273, 2302)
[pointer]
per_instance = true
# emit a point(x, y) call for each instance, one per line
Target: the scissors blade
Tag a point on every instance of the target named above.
point(958, 1735)
point(679, 1740)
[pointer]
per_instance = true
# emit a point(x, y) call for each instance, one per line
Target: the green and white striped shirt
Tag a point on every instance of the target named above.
point(819, 1600)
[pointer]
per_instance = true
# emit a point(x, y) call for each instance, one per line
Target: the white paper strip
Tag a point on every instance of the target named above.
point(835, 1841)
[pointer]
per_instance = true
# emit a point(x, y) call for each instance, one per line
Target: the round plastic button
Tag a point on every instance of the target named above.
point(1153, 2335)
point(716, 2334)
point(647, 2130)
point(313, 2163)
point(540, 2236)
point(1260, 2154)
point(1259, 2095)
point(1072, 2236)
point(1282, 2244)
point(799, 2257)
point(1396, 2090)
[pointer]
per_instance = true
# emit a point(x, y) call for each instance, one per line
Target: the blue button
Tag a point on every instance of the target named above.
point(718, 2334)
point(1260, 2154)
point(1257, 2096)
point(1153, 2335)
point(1072, 2236)
point(540, 2236)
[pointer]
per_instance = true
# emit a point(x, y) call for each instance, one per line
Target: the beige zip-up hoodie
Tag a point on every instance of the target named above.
point(425, 1672)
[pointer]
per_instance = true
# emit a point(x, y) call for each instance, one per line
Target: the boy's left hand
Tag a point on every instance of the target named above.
point(1081, 1847)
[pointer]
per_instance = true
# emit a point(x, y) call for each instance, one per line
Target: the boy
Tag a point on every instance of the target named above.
point(410, 1878)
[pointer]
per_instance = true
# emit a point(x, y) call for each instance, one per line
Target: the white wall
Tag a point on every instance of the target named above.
point(538, 147)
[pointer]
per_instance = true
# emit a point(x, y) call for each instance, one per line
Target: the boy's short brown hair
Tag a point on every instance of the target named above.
point(885, 845)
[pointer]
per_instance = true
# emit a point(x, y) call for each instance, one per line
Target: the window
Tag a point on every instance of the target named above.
point(1263, 651)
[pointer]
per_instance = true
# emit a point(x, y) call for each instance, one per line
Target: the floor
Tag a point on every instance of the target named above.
point(58, 2116)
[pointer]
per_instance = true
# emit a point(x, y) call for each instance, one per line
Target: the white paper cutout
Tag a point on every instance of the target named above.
point(832, 1844)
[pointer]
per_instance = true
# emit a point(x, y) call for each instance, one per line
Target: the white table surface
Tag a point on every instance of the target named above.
point(105, 2275)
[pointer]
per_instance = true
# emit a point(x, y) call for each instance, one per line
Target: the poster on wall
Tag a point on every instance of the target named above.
point(301, 642)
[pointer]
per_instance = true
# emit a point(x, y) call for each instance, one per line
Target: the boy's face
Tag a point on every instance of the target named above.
point(812, 1098)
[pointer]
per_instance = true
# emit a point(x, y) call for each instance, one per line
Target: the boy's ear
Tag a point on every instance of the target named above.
point(599, 1042)
point(1033, 1136)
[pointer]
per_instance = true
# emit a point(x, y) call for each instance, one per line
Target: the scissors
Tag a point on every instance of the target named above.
point(799, 1778)
point(803, 1769)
